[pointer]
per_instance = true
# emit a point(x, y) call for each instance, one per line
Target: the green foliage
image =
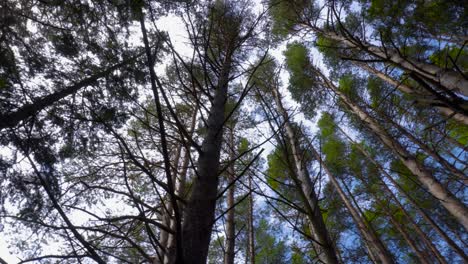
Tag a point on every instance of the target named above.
point(215, 252)
point(444, 58)
point(349, 86)
point(329, 49)
point(374, 87)
point(271, 249)
point(327, 125)
point(244, 145)
point(458, 132)
point(278, 170)
point(335, 150)
point(264, 76)
point(298, 63)
point(302, 80)
point(285, 15)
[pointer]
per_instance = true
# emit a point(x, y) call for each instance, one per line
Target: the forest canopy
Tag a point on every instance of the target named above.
point(222, 131)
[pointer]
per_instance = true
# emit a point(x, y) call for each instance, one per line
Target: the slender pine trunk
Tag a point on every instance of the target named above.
point(446, 198)
point(368, 233)
point(421, 97)
point(250, 225)
point(449, 79)
point(408, 197)
point(230, 223)
point(322, 244)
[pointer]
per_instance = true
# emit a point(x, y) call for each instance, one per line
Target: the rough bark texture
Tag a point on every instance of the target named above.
point(446, 111)
point(413, 203)
point(230, 223)
point(324, 245)
point(373, 242)
point(200, 209)
point(449, 79)
point(250, 226)
point(446, 198)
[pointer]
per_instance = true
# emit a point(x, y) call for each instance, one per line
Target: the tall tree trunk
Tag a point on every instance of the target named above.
point(413, 203)
point(180, 182)
point(28, 110)
point(416, 227)
point(323, 245)
point(446, 198)
point(250, 225)
point(451, 80)
point(368, 233)
point(167, 213)
point(200, 209)
point(445, 110)
point(165, 152)
point(460, 175)
point(230, 224)
point(408, 239)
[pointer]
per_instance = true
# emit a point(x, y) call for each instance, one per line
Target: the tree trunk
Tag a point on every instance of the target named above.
point(409, 241)
point(449, 79)
point(444, 110)
point(180, 191)
point(446, 198)
point(250, 226)
point(323, 244)
point(426, 148)
point(416, 227)
point(368, 233)
point(425, 216)
point(28, 110)
point(230, 224)
point(200, 209)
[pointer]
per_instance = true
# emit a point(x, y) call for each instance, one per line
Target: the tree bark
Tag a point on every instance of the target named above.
point(446, 198)
point(250, 225)
point(200, 209)
point(230, 223)
point(169, 257)
point(322, 244)
point(28, 110)
point(425, 216)
point(449, 79)
point(368, 233)
point(444, 110)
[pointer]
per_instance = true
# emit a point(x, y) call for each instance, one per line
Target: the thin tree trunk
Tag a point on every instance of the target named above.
point(169, 257)
point(230, 224)
point(200, 209)
point(250, 227)
point(165, 152)
point(420, 232)
point(368, 233)
point(408, 239)
point(425, 216)
point(28, 110)
point(167, 213)
point(446, 198)
point(322, 244)
point(460, 175)
point(446, 111)
point(449, 79)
